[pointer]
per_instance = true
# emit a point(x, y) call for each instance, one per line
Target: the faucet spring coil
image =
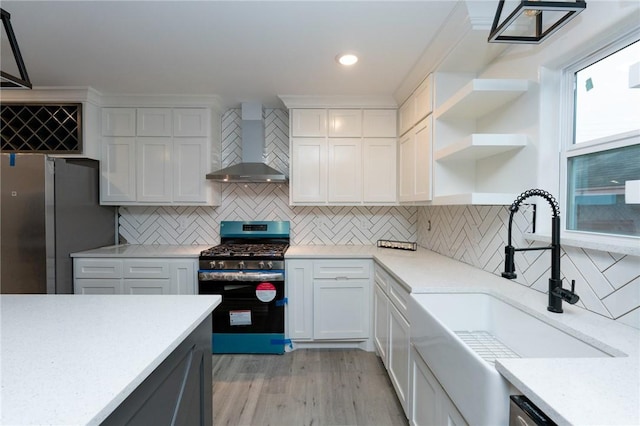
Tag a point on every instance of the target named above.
point(515, 206)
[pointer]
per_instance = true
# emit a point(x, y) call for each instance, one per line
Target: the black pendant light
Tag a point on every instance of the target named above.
point(531, 21)
point(7, 80)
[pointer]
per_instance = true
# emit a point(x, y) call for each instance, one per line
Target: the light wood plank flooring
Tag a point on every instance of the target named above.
point(304, 387)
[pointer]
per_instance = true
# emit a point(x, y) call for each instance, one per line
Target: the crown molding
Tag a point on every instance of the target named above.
point(310, 101)
point(52, 94)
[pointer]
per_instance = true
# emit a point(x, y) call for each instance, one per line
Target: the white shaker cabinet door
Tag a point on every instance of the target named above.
point(381, 323)
point(299, 309)
point(118, 121)
point(345, 123)
point(153, 163)
point(345, 170)
point(118, 169)
point(398, 357)
point(407, 165)
point(379, 170)
point(341, 309)
point(423, 165)
point(308, 170)
point(191, 122)
point(154, 122)
point(309, 122)
point(379, 123)
point(189, 170)
point(424, 407)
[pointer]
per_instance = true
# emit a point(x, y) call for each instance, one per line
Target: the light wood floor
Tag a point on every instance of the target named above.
point(304, 387)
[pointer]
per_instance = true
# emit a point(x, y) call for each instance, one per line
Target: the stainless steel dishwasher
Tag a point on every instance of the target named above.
point(523, 412)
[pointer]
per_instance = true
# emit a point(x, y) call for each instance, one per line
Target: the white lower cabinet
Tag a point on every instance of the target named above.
point(329, 300)
point(341, 309)
point(398, 357)
point(134, 276)
point(392, 331)
point(381, 323)
point(429, 404)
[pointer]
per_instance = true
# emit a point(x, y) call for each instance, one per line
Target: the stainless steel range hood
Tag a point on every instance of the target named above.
point(252, 168)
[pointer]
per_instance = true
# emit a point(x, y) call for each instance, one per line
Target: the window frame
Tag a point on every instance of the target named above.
point(595, 240)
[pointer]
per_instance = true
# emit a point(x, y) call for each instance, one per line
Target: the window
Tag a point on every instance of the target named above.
point(604, 153)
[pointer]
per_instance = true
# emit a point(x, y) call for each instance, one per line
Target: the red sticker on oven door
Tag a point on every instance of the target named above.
point(266, 292)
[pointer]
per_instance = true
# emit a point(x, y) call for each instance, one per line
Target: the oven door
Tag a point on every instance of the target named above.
point(250, 318)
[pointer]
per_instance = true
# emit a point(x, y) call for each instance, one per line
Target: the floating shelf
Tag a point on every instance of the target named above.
point(481, 96)
point(481, 145)
point(477, 198)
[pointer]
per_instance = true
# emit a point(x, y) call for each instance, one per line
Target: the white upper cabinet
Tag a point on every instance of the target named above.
point(163, 159)
point(417, 107)
point(308, 170)
point(379, 170)
point(345, 170)
point(356, 168)
point(345, 123)
point(191, 122)
point(308, 122)
point(118, 177)
point(118, 121)
point(154, 122)
point(379, 123)
point(189, 159)
point(415, 165)
point(153, 167)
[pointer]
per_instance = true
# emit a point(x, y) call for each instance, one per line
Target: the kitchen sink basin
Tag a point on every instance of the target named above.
point(460, 335)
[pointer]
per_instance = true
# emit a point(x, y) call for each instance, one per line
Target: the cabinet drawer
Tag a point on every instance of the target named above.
point(143, 268)
point(399, 296)
point(97, 268)
point(381, 278)
point(341, 269)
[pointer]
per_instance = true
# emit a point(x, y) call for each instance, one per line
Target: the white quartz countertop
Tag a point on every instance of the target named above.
point(73, 359)
point(144, 250)
point(585, 391)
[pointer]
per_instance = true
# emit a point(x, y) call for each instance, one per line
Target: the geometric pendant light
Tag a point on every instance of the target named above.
point(7, 80)
point(532, 21)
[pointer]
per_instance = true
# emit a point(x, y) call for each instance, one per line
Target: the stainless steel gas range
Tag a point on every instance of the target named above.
point(247, 270)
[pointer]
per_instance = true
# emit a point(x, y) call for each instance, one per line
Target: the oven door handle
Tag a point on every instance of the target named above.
point(240, 276)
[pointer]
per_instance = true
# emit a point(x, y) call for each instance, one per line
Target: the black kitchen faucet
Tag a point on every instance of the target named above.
point(556, 292)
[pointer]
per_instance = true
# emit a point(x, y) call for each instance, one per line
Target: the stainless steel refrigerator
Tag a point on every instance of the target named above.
point(50, 207)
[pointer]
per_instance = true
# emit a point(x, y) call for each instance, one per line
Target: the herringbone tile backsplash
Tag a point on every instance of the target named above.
point(608, 283)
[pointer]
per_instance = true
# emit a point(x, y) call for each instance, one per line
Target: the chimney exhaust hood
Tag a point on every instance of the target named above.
point(252, 168)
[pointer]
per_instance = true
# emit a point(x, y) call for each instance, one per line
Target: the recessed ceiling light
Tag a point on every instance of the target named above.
point(347, 59)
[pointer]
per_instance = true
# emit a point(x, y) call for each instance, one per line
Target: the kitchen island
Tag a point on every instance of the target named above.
point(70, 359)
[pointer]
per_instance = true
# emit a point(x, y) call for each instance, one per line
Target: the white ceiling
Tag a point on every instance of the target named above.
point(239, 50)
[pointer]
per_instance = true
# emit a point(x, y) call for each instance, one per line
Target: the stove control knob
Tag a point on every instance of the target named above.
point(269, 265)
point(220, 265)
point(241, 265)
point(261, 265)
point(212, 264)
